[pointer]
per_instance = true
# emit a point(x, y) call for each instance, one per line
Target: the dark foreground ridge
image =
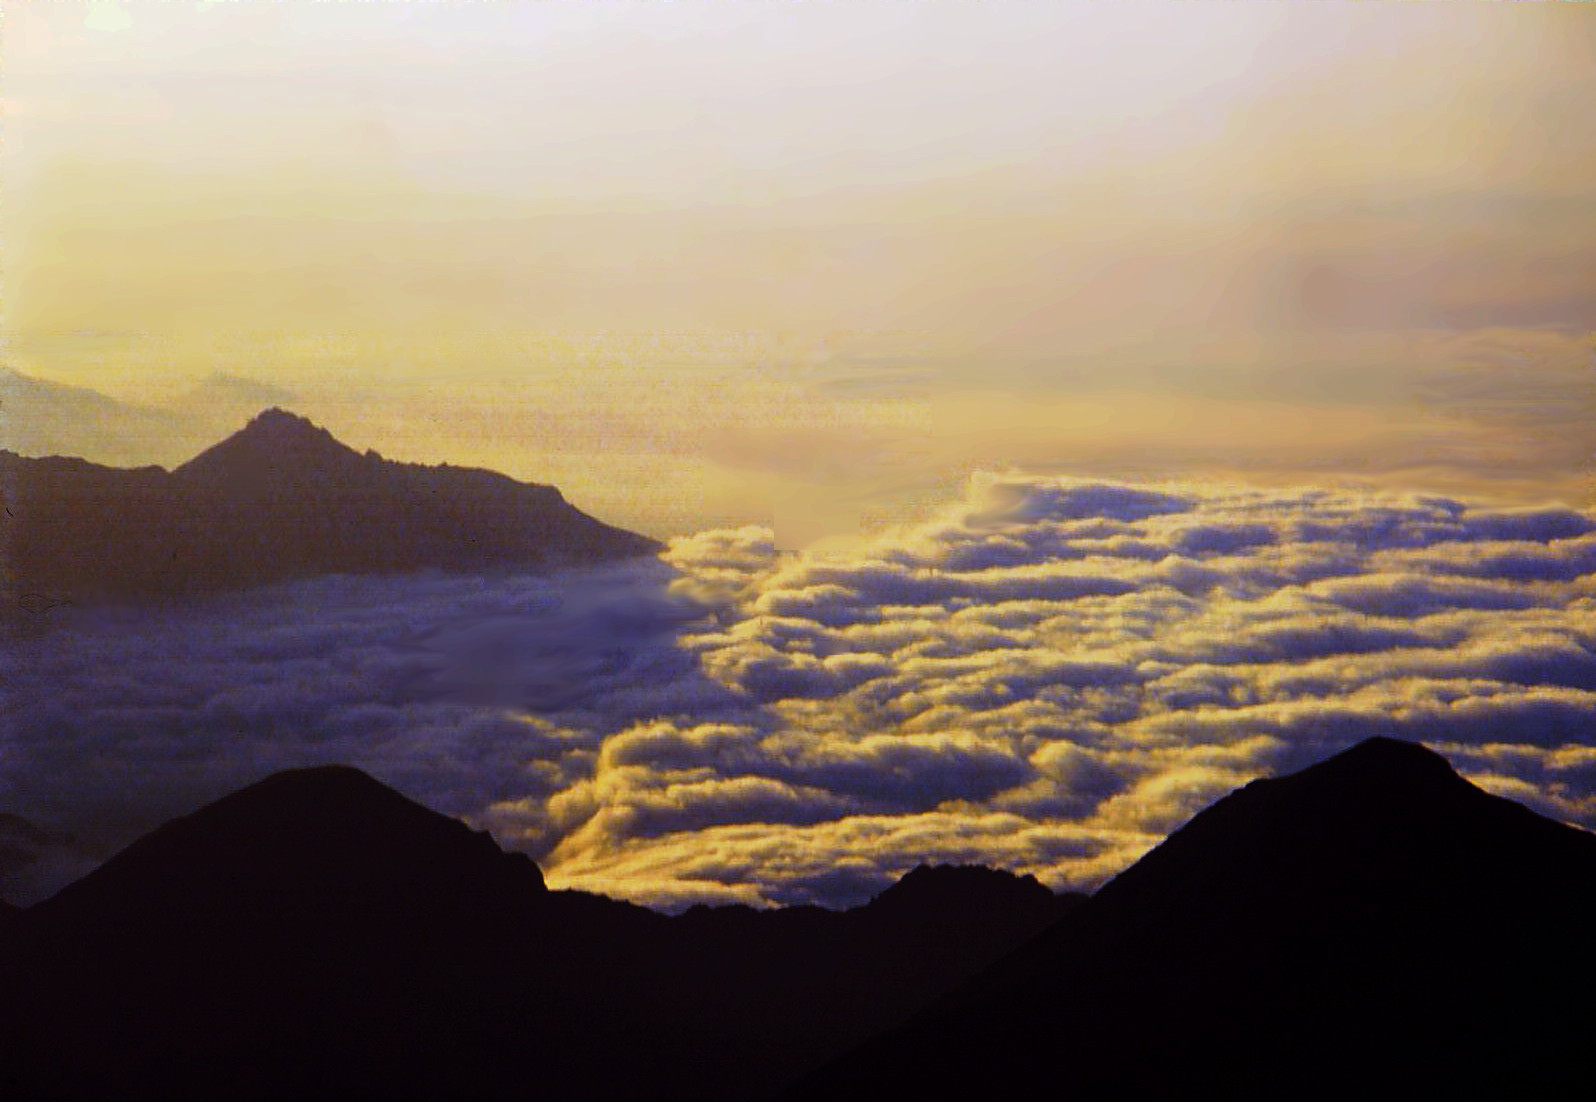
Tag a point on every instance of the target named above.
point(319, 936)
point(280, 499)
point(1371, 927)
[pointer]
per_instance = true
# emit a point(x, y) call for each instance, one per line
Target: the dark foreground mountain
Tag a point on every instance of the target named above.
point(278, 500)
point(1372, 927)
point(319, 936)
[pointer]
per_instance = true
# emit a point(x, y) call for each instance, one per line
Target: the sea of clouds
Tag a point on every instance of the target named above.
point(1049, 677)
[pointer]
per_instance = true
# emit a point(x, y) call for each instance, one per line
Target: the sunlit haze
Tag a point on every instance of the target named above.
point(813, 264)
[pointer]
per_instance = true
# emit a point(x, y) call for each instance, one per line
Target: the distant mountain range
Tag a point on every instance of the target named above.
point(39, 417)
point(1372, 927)
point(278, 500)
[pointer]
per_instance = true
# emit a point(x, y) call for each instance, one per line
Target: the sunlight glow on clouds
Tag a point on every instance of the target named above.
point(1049, 676)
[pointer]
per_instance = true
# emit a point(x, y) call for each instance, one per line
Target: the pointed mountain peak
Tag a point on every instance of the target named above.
point(276, 417)
point(1378, 807)
point(1371, 919)
point(325, 833)
point(329, 807)
point(1377, 772)
point(934, 889)
point(317, 792)
point(276, 441)
point(1387, 759)
point(279, 426)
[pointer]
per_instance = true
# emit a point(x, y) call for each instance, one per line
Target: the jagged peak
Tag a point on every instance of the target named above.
point(935, 887)
point(273, 438)
point(278, 421)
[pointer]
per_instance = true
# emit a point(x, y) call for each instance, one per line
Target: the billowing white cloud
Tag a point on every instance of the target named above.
point(1048, 677)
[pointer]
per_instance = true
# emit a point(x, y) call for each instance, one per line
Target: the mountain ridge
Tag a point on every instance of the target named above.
point(1371, 926)
point(214, 956)
point(40, 417)
point(279, 500)
point(328, 815)
point(1361, 920)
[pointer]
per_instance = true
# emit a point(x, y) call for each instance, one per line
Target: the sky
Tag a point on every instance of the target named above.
point(813, 265)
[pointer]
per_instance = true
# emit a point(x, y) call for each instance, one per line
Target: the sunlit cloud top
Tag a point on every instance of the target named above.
point(1049, 675)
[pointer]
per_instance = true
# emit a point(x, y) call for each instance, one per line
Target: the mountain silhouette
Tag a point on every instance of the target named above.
point(318, 935)
point(1371, 927)
point(280, 499)
point(39, 417)
point(236, 952)
point(328, 838)
point(276, 451)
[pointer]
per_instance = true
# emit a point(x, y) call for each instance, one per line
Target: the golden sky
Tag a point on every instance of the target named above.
point(702, 264)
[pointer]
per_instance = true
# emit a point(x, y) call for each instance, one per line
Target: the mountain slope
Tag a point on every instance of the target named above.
point(329, 838)
point(317, 935)
point(1373, 926)
point(297, 937)
point(280, 499)
point(38, 417)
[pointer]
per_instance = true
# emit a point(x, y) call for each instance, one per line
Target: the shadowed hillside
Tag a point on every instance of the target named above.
point(317, 935)
point(1372, 927)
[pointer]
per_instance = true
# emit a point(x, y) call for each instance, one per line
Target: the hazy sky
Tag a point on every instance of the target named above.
point(701, 264)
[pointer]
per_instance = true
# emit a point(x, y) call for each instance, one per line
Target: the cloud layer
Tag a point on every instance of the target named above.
point(1049, 677)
